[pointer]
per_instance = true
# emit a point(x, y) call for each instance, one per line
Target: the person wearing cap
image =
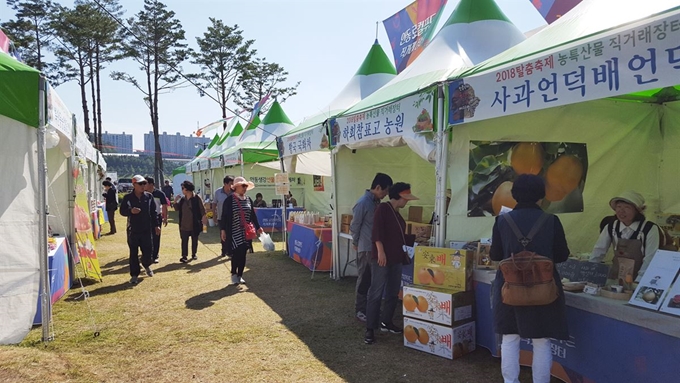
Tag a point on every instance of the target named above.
point(221, 195)
point(237, 213)
point(111, 198)
point(538, 323)
point(192, 217)
point(161, 209)
point(388, 256)
point(630, 235)
point(361, 229)
point(140, 208)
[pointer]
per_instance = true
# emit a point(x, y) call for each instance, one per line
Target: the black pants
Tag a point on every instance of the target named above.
point(238, 260)
point(225, 245)
point(185, 235)
point(112, 219)
point(143, 242)
point(156, 242)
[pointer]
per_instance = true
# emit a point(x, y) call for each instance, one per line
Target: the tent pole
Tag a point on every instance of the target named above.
point(284, 220)
point(335, 226)
point(242, 165)
point(441, 170)
point(72, 191)
point(45, 294)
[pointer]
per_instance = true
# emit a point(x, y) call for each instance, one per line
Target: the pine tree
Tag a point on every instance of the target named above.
point(259, 79)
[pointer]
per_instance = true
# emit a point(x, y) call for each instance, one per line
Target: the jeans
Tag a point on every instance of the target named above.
point(139, 241)
point(540, 366)
point(238, 260)
point(185, 235)
point(387, 278)
point(363, 280)
point(112, 220)
point(156, 242)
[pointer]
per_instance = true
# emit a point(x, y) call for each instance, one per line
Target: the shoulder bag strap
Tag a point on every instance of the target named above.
point(524, 240)
point(398, 223)
point(240, 208)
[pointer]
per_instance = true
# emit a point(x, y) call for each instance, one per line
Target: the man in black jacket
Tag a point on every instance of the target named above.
point(140, 209)
point(111, 198)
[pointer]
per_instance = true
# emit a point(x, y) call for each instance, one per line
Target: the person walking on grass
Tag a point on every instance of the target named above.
point(167, 190)
point(389, 254)
point(191, 220)
point(221, 195)
point(111, 198)
point(361, 228)
point(140, 209)
point(238, 226)
point(161, 209)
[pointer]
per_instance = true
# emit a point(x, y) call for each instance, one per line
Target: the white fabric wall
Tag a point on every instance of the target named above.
point(624, 152)
point(19, 253)
point(355, 172)
point(58, 192)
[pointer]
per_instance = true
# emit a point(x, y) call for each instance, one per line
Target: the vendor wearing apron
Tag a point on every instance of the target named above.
point(631, 242)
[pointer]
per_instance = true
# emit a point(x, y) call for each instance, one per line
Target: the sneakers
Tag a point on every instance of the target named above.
point(385, 327)
point(134, 280)
point(194, 257)
point(361, 317)
point(241, 280)
point(369, 337)
point(235, 279)
point(148, 270)
point(155, 260)
point(184, 260)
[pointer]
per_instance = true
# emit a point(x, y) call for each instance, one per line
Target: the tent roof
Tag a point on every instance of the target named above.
point(214, 141)
point(19, 85)
point(588, 21)
point(276, 115)
point(376, 62)
point(375, 71)
point(475, 31)
point(179, 170)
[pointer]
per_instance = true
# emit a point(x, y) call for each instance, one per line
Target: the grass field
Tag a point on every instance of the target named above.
point(186, 325)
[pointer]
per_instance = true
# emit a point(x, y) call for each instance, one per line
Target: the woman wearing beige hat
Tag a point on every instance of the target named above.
point(634, 239)
point(239, 226)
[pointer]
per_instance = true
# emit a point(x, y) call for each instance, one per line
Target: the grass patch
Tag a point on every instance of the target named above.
point(186, 325)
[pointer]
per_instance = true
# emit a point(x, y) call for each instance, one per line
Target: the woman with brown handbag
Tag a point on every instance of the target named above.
point(540, 322)
point(239, 226)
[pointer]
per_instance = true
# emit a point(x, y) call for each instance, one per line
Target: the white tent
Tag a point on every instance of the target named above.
point(624, 110)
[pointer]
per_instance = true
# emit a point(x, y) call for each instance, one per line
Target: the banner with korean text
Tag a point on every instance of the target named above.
point(409, 119)
point(232, 159)
point(411, 29)
point(216, 163)
point(308, 141)
point(58, 115)
point(632, 59)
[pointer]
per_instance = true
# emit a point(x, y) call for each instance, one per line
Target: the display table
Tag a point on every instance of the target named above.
point(610, 341)
point(60, 277)
point(270, 217)
point(310, 245)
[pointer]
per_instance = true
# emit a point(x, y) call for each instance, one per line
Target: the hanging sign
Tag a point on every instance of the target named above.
point(408, 116)
point(58, 115)
point(307, 141)
point(216, 163)
point(232, 159)
point(645, 56)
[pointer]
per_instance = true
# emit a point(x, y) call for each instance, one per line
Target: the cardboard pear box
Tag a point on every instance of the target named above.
point(438, 305)
point(446, 268)
point(443, 341)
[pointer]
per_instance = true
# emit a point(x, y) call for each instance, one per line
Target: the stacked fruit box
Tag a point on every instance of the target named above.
point(438, 309)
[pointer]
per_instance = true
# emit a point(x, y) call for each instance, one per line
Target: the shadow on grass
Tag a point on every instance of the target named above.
point(205, 300)
point(77, 295)
point(117, 262)
point(320, 312)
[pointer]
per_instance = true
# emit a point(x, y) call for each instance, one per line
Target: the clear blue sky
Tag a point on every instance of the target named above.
point(319, 42)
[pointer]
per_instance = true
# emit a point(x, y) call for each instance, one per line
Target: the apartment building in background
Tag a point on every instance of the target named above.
point(175, 145)
point(116, 142)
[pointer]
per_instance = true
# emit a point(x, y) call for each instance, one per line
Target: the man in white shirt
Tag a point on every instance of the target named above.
point(221, 195)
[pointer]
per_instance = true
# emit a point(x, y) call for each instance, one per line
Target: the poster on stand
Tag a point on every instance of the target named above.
point(86, 254)
point(318, 183)
point(657, 280)
point(494, 165)
point(671, 304)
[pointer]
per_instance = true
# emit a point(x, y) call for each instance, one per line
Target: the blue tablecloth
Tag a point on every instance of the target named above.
point(270, 218)
point(60, 277)
point(600, 348)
